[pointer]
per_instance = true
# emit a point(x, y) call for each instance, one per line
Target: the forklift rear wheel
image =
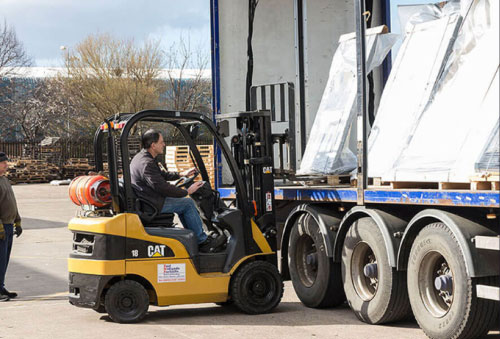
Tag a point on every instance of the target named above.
point(316, 278)
point(127, 301)
point(376, 292)
point(442, 295)
point(257, 287)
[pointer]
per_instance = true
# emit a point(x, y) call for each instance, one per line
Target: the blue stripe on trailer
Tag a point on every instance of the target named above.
point(405, 197)
point(305, 194)
point(316, 194)
point(432, 197)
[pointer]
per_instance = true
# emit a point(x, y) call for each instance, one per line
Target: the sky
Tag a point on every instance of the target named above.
point(43, 26)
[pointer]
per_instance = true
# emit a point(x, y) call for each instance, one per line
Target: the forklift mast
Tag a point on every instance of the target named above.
point(252, 148)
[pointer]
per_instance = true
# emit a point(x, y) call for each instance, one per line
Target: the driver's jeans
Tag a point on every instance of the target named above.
point(185, 208)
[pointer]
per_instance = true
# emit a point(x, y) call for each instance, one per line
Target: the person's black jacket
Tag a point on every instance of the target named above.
point(150, 182)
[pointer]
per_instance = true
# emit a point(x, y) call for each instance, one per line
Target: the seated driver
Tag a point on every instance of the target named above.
point(150, 183)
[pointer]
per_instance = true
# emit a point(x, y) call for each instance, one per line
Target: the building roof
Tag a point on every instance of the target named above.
point(52, 72)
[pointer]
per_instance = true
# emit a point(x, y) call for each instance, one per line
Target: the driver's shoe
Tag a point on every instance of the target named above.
point(212, 245)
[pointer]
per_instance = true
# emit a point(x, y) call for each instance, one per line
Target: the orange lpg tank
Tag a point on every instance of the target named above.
point(92, 190)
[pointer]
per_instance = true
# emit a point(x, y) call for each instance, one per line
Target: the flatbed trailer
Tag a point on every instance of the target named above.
point(315, 237)
point(389, 252)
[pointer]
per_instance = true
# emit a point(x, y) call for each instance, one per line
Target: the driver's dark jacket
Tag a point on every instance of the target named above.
point(149, 181)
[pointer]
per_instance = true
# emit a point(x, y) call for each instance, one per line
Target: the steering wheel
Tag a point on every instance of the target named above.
point(186, 181)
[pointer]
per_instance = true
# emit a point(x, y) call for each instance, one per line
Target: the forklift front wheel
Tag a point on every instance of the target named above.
point(127, 301)
point(257, 287)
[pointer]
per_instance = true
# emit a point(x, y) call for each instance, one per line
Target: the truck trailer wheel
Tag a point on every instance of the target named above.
point(376, 292)
point(442, 296)
point(315, 277)
point(127, 301)
point(257, 287)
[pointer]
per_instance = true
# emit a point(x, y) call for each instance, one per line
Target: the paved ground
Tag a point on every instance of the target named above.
point(38, 272)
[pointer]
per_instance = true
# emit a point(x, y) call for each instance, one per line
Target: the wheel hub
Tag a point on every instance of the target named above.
point(370, 271)
point(127, 302)
point(259, 288)
point(364, 271)
point(312, 259)
point(444, 283)
point(436, 284)
point(307, 260)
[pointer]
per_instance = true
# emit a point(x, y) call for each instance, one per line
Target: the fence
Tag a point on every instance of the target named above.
point(59, 152)
point(65, 149)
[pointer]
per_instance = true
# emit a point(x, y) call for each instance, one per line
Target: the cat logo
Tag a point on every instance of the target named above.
point(156, 251)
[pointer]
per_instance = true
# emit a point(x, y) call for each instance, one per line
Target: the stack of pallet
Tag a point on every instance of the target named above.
point(75, 167)
point(50, 150)
point(178, 159)
point(32, 171)
point(51, 154)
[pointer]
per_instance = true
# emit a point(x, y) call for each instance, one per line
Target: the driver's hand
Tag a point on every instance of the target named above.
point(194, 187)
point(188, 172)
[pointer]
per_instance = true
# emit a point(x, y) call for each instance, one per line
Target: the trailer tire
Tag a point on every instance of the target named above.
point(127, 301)
point(318, 283)
point(256, 287)
point(375, 291)
point(436, 253)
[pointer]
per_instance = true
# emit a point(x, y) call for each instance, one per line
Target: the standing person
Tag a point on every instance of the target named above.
point(10, 224)
point(151, 183)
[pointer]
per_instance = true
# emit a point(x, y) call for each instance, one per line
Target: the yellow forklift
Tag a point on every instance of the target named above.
point(126, 255)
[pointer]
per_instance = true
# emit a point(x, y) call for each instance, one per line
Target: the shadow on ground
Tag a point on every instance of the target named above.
point(286, 314)
point(36, 224)
point(29, 282)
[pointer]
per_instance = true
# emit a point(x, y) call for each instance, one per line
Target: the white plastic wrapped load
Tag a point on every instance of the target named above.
point(455, 127)
point(409, 86)
point(489, 162)
point(327, 151)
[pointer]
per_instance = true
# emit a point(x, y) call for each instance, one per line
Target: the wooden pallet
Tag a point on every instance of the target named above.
point(485, 181)
point(310, 180)
point(178, 159)
point(336, 180)
point(476, 185)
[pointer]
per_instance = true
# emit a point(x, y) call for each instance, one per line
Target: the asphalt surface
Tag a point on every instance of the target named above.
point(38, 272)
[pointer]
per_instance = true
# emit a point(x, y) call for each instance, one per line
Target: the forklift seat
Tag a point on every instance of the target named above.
point(147, 212)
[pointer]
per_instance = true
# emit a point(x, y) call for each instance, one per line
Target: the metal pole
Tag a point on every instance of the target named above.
point(300, 61)
point(359, 9)
point(214, 31)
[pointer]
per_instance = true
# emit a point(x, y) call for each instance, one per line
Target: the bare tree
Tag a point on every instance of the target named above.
point(35, 109)
point(21, 108)
point(187, 88)
point(109, 76)
point(12, 53)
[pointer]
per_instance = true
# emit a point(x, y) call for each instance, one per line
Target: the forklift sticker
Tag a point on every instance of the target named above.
point(156, 251)
point(171, 273)
point(269, 202)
